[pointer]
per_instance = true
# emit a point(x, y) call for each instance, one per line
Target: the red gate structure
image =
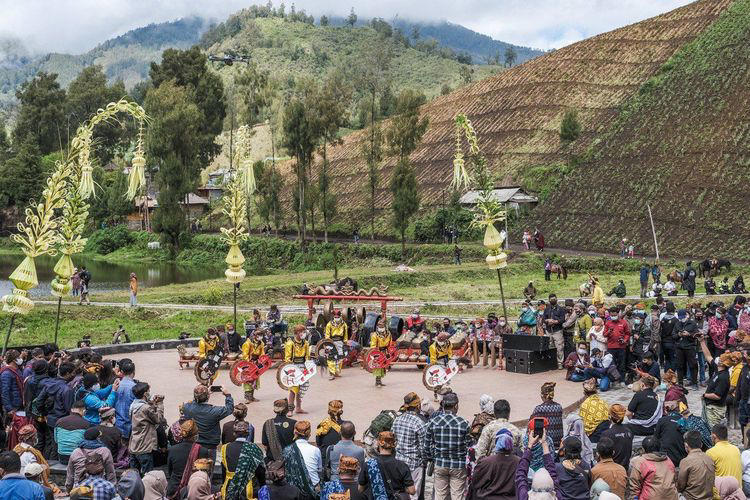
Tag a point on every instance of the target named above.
point(362, 298)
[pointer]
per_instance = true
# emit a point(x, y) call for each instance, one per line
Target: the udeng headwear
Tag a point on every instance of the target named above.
point(299, 329)
point(26, 431)
point(590, 386)
point(335, 407)
point(411, 401)
point(548, 390)
point(617, 413)
point(670, 376)
point(106, 412)
point(241, 428)
point(188, 429)
point(339, 496)
point(204, 464)
point(726, 359)
point(302, 428)
point(348, 465)
point(387, 440)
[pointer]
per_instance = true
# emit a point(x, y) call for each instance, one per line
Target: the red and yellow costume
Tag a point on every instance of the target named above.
point(338, 332)
point(252, 349)
point(381, 339)
point(297, 352)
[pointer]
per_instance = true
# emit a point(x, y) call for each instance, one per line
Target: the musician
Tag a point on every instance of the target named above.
point(297, 351)
point(381, 340)
point(338, 332)
point(253, 348)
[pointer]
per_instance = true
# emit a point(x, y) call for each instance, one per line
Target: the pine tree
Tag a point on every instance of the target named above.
point(42, 113)
point(570, 128)
point(405, 198)
point(352, 19)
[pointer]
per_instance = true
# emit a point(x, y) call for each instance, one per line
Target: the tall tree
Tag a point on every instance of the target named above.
point(269, 186)
point(333, 105)
point(4, 142)
point(22, 176)
point(374, 78)
point(510, 56)
point(86, 94)
point(42, 113)
point(174, 144)
point(404, 134)
point(189, 70)
point(351, 20)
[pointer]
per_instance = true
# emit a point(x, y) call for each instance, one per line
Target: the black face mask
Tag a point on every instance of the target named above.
point(553, 302)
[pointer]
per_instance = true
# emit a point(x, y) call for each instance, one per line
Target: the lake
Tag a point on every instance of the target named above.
point(106, 276)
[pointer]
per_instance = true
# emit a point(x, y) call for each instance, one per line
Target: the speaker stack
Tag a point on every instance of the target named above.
point(528, 353)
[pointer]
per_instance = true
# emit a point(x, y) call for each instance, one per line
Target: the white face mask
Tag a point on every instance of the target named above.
point(19, 361)
point(582, 352)
point(303, 336)
point(381, 330)
point(96, 387)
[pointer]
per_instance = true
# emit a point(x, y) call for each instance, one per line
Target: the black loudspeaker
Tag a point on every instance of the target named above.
point(522, 361)
point(525, 342)
point(395, 326)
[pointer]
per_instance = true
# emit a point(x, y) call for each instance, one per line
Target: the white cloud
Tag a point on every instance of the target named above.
point(78, 25)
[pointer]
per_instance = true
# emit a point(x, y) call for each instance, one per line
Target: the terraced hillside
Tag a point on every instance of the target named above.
point(682, 145)
point(517, 113)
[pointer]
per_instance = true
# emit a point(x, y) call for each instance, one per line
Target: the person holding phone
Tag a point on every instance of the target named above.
point(544, 483)
point(208, 416)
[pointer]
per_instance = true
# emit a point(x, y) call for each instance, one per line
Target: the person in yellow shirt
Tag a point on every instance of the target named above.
point(381, 340)
point(252, 349)
point(597, 298)
point(297, 351)
point(441, 352)
point(338, 332)
point(726, 456)
point(207, 345)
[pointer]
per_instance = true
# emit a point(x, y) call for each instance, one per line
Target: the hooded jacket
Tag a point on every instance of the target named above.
point(62, 397)
point(652, 477)
point(145, 417)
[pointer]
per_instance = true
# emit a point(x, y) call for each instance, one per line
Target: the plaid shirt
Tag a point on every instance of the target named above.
point(409, 430)
point(102, 489)
point(447, 440)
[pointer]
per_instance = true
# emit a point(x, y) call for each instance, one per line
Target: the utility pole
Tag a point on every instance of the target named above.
point(653, 231)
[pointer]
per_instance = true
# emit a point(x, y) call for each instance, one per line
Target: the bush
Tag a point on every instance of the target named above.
point(108, 240)
point(212, 296)
point(430, 228)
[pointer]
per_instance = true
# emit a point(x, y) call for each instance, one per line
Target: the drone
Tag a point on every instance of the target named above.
point(229, 59)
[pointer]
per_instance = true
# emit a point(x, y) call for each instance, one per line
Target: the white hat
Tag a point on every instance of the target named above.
point(33, 469)
point(606, 495)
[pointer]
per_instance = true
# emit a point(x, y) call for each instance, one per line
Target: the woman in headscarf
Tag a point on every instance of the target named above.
point(600, 486)
point(544, 484)
point(487, 415)
point(130, 485)
point(573, 473)
point(494, 475)
point(199, 485)
point(729, 488)
point(155, 483)
point(574, 424)
point(552, 411)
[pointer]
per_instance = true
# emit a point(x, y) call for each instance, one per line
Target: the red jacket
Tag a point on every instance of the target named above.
point(617, 333)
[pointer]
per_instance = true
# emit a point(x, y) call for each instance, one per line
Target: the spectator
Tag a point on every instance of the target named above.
point(690, 422)
point(594, 411)
point(206, 416)
point(573, 473)
point(346, 482)
point(328, 432)
point(726, 456)
point(102, 488)
point(14, 485)
point(110, 434)
point(552, 411)
point(27, 438)
point(617, 333)
point(620, 434)
point(346, 447)
point(199, 484)
point(276, 484)
point(155, 485)
point(125, 397)
point(90, 445)
point(182, 456)
point(242, 463)
point(601, 367)
point(36, 472)
point(493, 477)
point(446, 442)
point(576, 363)
point(715, 397)
point(409, 430)
point(33, 388)
point(54, 403)
point(687, 330)
point(553, 319)
point(651, 474)
point(669, 435)
point(302, 461)
point(146, 414)
point(278, 432)
point(11, 394)
point(600, 488)
point(69, 431)
point(227, 430)
point(544, 484)
point(607, 469)
point(695, 480)
point(94, 397)
point(486, 405)
point(644, 409)
point(486, 443)
point(384, 472)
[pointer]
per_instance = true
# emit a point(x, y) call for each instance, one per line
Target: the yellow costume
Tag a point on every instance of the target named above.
point(597, 298)
point(205, 345)
point(297, 352)
point(251, 351)
point(338, 334)
point(380, 341)
point(230, 475)
point(440, 354)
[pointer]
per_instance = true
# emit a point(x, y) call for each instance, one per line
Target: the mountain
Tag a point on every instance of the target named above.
point(126, 57)
point(679, 144)
point(517, 116)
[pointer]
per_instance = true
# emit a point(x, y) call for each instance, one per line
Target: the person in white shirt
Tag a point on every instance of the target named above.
point(596, 336)
point(600, 363)
point(670, 288)
point(310, 454)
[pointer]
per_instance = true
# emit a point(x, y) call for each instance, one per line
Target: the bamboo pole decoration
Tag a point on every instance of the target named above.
point(235, 208)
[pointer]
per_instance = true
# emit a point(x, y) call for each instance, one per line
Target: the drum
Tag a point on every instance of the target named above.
point(319, 320)
point(395, 326)
point(327, 311)
point(405, 339)
point(370, 324)
point(349, 314)
point(361, 314)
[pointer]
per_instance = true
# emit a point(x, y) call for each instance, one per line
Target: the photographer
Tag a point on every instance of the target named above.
point(687, 332)
point(146, 413)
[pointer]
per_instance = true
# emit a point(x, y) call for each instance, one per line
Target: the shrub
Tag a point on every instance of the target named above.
point(108, 240)
point(212, 296)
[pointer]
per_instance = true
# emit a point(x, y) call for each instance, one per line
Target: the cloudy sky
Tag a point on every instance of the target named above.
point(78, 25)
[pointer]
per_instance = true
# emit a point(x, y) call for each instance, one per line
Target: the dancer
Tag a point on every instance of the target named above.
point(441, 351)
point(206, 346)
point(338, 332)
point(381, 341)
point(297, 351)
point(253, 348)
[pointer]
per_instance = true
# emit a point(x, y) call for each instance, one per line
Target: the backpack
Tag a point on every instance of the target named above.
point(382, 422)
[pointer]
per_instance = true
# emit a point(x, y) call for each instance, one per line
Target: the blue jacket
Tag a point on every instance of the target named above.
point(207, 418)
point(62, 395)
point(17, 487)
point(644, 274)
point(12, 395)
point(122, 408)
point(69, 432)
point(95, 400)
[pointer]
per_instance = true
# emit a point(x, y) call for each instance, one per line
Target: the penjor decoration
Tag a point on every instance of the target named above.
point(488, 210)
point(56, 223)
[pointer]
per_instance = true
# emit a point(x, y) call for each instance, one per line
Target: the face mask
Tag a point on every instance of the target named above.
point(303, 336)
point(718, 315)
point(628, 314)
point(637, 322)
point(501, 322)
point(553, 302)
point(96, 387)
point(19, 361)
point(446, 325)
point(582, 351)
point(381, 330)
point(593, 314)
point(524, 309)
point(683, 320)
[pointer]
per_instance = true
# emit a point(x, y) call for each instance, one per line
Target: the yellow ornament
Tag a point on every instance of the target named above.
point(24, 279)
point(497, 261)
point(64, 270)
point(235, 259)
point(492, 238)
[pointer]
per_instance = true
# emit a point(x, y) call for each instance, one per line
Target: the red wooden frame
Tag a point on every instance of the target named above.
point(362, 298)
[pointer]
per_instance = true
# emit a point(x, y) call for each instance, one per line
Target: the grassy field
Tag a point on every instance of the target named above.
point(429, 284)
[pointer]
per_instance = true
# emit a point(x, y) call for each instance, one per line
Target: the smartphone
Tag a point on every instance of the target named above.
point(215, 388)
point(538, 427)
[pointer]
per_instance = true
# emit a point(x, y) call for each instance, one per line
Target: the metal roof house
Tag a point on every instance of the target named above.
point(512, 196)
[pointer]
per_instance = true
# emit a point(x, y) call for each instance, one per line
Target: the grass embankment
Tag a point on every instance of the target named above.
point(429, 284)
